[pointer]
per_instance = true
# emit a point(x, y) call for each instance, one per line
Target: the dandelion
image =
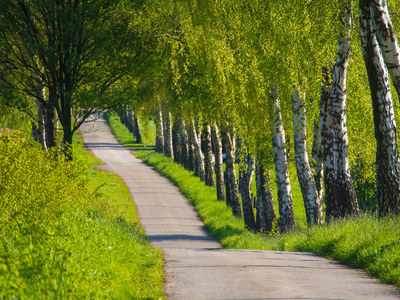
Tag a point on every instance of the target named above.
point(109, 247)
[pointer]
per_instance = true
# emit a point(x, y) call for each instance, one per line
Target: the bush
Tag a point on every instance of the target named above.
point(62, 239)
point(37, 186)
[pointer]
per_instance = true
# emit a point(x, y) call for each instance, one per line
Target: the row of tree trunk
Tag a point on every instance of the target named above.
point(131, 121)
point(198, 147)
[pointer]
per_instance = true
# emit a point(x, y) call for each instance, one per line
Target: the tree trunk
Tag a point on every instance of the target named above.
point(265, 209)
point(177, 141)
point(327, 136)
point(387, 39)
point(136, 128)
point(191, 156)
point(66, 122)
point(246, 171)
point(344, 201)
point(50, 124)
point(219, 168)
point(185, 146)
point(208, 158)
point(232, 192)
point(286, 219)
point(40, 130)
point(168, 151)
point(199, 162)
point(129, 119)
point(312, 203)
point(47, 119)
point(159, 132)
point(317, 163)
point(387, 158)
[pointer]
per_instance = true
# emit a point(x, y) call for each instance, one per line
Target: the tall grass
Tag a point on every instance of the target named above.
point(64, 235)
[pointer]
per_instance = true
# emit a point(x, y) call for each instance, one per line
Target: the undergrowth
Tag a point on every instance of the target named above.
point(65, 236)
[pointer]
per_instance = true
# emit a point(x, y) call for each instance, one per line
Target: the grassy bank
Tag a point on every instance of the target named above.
point(363, 242)
point(66, 233)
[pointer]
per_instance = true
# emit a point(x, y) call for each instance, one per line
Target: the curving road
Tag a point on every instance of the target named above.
point(197, 267)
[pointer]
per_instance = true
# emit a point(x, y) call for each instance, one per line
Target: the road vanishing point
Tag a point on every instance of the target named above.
point(196, 265)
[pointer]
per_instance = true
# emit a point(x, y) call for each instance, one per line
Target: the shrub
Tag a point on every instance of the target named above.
point(36, 186)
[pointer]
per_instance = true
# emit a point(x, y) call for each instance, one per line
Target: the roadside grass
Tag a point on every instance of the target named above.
point(364, 242)
point(86, 243)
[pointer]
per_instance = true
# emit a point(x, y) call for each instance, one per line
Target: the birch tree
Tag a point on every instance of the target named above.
point(387, 39)
point(286, 214)
point(219, 171)
point(167, 131)
point(159, 147)
point(387, 157)
point(312, 202)
point(343, 201)
point(199, 161)
point(208, 155)
point(232, 191)
point(246, 172)
point(317, 162)
point(265, 209)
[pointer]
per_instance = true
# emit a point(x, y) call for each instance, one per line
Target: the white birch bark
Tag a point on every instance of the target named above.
point(312, 202)
point(41, 129)
point(159, 132)
point(326, 135)
point(168, 151)
point(197, 152)
point(286, 214)
point(185, 146)
point(387, 157)
point(387, 39)
point(317, 163)
point(344, 201)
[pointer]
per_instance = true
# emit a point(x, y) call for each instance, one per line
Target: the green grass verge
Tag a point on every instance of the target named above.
point(147, 129)
point(97, 250)
point(364, 242)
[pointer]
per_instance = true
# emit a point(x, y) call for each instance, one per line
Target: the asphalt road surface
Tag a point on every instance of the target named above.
point(197, 267)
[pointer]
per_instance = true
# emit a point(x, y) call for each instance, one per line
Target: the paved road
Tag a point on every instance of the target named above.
point(197, 268)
